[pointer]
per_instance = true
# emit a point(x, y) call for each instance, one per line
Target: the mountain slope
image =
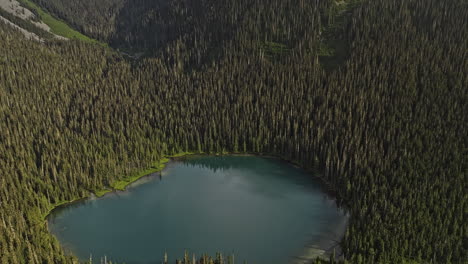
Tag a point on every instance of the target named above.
point(387, 127)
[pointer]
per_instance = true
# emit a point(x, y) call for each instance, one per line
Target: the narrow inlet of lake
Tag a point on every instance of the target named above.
point(261, 210)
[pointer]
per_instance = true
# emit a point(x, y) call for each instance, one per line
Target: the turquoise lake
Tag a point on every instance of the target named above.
point(261, 210)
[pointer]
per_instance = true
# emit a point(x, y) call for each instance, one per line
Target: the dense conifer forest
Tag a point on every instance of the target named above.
point(373, 94)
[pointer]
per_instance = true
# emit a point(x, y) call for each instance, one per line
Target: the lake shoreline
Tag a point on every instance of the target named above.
point(323, 249)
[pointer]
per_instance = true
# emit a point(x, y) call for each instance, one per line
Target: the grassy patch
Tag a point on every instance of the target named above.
point(158, 166)
point(181, 154)
point(100, 193)
point(274, 50)
point(55, 205)
point(57, 26)
point(326, 50)
point(410, 261)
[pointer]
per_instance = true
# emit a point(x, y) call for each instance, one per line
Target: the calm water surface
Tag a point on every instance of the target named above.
point(263, 210)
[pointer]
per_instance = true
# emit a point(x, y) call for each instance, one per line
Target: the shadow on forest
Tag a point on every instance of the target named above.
point(335, 45)
point(155, 27)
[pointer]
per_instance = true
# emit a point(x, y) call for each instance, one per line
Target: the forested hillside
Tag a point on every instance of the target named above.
point(387, 127)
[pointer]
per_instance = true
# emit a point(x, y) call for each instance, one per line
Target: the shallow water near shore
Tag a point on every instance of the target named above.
point(261, 210)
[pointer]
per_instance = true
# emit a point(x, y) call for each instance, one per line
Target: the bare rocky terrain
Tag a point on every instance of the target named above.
point(14, 7)
point(26, 33)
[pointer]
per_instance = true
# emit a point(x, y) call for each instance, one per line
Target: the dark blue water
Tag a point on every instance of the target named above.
point(260, 209)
